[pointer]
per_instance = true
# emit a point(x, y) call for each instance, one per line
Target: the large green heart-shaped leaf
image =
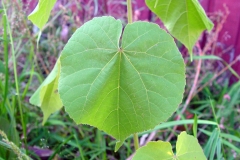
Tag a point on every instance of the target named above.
point(41, 13)
point(184, 19)
point(187, 148)
point(121, 90)
point(47, 96)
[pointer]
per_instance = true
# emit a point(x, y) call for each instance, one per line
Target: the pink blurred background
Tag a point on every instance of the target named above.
point(227, 45)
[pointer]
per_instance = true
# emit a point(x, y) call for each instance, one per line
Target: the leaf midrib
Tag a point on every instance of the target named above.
point(142, 83)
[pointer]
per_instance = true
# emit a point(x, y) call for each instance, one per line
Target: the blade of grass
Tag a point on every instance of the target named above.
point(223, 141)
point(102, 144)
point(217, 75)
point(175, 123)
point(223, 90)
point(2, 67)
point(231, 146)
point(182, 117)
point(212, 139)
point(207, 57)
point(234, 94)
point(219, 148)
point(5, 48)
point(213, 110)
point(232, 70)
point(40, 79)
point(214, 145)
point(213, 57)
point(79, 146)
point(72, 143)
point(195, 126)
point(229, 136)
point(31, 72)
point(59, 147)
point(16, 76)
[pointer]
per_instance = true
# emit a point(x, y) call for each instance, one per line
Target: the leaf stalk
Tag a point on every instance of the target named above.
point(136, 143)
point(129, 11)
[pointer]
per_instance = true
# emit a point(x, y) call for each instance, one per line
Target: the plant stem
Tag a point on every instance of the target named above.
point(136, 143)
point(16, 76)
point(129, 10)
point(5, 46)
point(129, 13)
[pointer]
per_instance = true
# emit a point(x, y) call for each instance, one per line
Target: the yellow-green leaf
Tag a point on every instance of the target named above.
point(47, 96)
point(184, 19)
point(41, 13)
point(187, 148)
point(158, 150)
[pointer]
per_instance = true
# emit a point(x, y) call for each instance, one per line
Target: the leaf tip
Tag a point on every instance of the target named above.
point(210, 26)
point(191, 54)
point(118, 145)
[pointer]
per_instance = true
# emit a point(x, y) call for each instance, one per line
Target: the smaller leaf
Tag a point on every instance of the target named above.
point(185, 20)
point(155, 150)
point(47, 96)
point(187, 146)
point(41, 13)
